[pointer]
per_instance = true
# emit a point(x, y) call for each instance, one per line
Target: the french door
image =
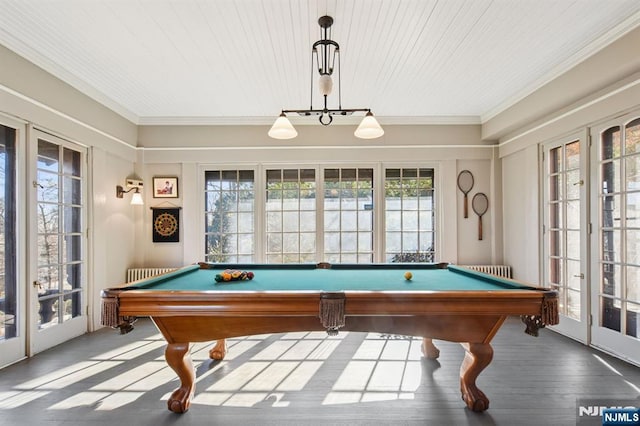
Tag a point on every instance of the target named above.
point(565, 231)
point(616, 267)
point(58, 236)
point(12, 236)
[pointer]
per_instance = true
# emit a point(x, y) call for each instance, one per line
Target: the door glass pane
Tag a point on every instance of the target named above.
point(555, 271)
point(48, 156)
point(573, 304)
point(555, 183)
point(632, 172)
point(555, 160)
point(555, 216)
point(610, 142)
point(611, 211)
point(611, 177)
point(573, 155)
point(573, 214)
point(633, 246)
point(555, 243)
point(71, 161)
point(612, 279)
point(633, 209)
point(48, 189)
point(573, 245)
point(632, 136)
point(573, 185)
point(8, 236)
point(610, 313)
point(72, 189)
point(633, 320)
point(633, 289)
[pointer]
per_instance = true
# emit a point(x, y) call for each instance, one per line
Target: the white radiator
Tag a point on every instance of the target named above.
point(499, 270)
point(135, 274)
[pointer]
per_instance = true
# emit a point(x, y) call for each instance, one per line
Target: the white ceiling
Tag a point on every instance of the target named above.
point(234, 61)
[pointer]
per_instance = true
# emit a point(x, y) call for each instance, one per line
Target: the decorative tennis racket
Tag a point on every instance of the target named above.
point(465, 184)
point(480, 205)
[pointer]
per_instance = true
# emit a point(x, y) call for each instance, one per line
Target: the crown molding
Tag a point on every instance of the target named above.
point(629, 24)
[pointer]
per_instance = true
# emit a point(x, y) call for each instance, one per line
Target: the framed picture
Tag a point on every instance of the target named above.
point(165, 187)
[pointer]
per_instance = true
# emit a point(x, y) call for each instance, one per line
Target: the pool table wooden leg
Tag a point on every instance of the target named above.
point(429, 350)
point(219, 350)
point(477, 357)
point(179, 359)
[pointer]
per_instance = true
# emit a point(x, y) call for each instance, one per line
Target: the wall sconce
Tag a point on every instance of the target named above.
point(132, 184)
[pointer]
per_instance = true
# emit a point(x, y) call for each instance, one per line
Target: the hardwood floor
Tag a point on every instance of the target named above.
point(311, 379)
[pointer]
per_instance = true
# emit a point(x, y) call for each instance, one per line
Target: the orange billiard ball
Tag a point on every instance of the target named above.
point(408, 276)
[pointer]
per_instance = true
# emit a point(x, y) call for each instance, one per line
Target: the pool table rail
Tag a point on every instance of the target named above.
point(121, 306)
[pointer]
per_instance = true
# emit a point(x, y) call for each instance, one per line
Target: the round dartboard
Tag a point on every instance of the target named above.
point(166, 224)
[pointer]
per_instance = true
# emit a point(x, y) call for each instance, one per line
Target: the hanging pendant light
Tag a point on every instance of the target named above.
point(325, 54)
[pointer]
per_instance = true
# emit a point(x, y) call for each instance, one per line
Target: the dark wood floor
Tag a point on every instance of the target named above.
point(311, 379)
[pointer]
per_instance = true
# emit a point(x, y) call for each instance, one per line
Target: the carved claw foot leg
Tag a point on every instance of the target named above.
point(477, 357)
point(429, 350)
point(178, 358)
point(219, 350)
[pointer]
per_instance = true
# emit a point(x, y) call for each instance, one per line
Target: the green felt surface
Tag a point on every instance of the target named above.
point(319, 280)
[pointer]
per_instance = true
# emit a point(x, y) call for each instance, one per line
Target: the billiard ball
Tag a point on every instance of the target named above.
point(408, 276)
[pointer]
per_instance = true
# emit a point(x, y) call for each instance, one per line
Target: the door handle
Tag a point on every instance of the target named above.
point(37, 284)
point(581, 276)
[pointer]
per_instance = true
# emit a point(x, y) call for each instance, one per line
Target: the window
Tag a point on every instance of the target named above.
point(319, 214)
point(409, 215)
point(229, 216)
point(291, 216)
point(348, 215)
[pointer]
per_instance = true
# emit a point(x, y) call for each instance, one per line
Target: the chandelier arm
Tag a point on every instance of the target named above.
point(347, 111)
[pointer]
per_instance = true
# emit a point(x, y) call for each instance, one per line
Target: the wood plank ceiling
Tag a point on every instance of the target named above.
point(232, 61)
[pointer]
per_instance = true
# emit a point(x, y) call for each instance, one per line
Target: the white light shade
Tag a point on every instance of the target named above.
point(136, 199)
point(369, 128)
point(282, 128)
point(325, 83)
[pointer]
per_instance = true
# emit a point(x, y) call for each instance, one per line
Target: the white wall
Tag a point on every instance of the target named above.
point(113, 237)
point(521, 213)
point(471, 250)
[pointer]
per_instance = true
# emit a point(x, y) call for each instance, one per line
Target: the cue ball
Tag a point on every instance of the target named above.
point(408, 276)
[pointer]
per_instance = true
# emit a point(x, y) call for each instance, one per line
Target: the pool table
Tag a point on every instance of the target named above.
point(440, 301)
